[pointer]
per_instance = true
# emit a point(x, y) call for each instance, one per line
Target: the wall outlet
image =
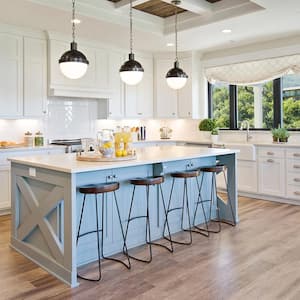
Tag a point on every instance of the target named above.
point(32, 172)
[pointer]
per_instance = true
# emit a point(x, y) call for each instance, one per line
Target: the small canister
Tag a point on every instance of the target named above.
point(39, 139)
point(28, 139)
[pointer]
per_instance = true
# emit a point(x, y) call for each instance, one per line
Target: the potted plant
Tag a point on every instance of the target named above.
point(209, 125)
point(215, 135)
point(283, 135)
point(275, 134)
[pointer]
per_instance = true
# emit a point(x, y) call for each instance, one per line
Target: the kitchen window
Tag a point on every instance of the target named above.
point(267, 105)
point(291, 101)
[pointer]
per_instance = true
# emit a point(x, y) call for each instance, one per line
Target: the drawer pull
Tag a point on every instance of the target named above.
point(270, 160)
point(296, 154)
point(297, 179)
point(297, 193)
point(296, 166)
point(270, 153)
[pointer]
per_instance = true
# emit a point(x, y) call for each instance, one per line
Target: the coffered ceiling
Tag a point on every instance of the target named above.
point(200, 24)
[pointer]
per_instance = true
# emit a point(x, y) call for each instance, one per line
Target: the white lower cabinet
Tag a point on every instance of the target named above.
point(271, 176)
point(4, 187)
point(247, 176)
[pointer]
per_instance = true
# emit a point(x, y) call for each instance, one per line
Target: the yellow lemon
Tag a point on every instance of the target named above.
point(119, 153)
point(124, 153)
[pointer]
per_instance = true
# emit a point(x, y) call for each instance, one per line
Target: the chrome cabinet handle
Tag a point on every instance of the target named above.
point(270, 153)
point(297, 193)
point(114, 176)
point(296, 154)
point(296, 166)
point(270, 160)
point(140, 113)
point(297, 179)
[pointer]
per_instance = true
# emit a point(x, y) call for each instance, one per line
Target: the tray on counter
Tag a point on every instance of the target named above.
point(96, 157)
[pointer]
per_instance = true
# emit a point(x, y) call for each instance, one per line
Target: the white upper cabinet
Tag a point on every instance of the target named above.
point(116, 100)
point(139, 98)
point(185, 95)
point(11, 75)
point(165, 97)
point(35, 77)
point(94, 84)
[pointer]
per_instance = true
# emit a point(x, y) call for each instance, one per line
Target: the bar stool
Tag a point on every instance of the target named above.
point(101, 188)
point(214, 170)
point(185, 175)
point(147, 182)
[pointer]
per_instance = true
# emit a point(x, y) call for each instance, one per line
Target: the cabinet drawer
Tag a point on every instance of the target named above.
point(293, 178)
point(293, 192)
point(293, 165)
point(270, 152)
point(293, 153)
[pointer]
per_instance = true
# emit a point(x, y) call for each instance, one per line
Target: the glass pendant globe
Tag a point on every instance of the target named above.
point(176, 83)
point(73, 70)
point(131, 77)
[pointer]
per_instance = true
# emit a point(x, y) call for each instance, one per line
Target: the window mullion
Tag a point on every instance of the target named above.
point(233, 106)
point(277, 104)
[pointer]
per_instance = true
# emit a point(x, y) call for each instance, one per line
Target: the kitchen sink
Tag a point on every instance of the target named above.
point(247, 151)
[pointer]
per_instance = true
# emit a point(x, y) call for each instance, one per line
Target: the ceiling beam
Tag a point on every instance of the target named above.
point(126, 3)
point(195, 6)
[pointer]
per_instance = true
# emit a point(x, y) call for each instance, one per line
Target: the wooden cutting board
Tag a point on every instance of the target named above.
point(94, 157)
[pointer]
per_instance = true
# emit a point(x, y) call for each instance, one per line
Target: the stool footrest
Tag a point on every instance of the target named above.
point(137, 217)
point(89, 232)
point(175, 208)
point(177, 242)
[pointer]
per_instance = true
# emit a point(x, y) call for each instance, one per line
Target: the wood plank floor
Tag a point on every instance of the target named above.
point(258, 259)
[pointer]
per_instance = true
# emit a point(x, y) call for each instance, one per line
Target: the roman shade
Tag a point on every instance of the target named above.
point(254, 72)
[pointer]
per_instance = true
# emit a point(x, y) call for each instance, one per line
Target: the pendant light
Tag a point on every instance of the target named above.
point(73, 63)
point(176, 77)
point(131, 71)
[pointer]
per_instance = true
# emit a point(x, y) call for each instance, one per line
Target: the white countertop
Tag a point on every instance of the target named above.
point(149, 155)
point(37, 148)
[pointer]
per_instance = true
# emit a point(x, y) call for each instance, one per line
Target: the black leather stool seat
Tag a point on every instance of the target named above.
point(99, 188)
point(211, 169)
point(186, 174)
point(147, 180)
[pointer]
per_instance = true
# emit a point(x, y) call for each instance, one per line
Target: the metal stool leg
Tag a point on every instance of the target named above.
point(98, 242)
point(185, 199)
point(198, 229)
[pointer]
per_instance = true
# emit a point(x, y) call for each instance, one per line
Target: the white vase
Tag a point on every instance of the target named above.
point(214, 138)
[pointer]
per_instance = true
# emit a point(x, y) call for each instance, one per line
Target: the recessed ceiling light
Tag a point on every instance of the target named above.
point(226, 30)
point(170, 44)
point(75, 21)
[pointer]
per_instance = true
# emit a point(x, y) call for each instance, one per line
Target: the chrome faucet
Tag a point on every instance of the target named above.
point(243, 123)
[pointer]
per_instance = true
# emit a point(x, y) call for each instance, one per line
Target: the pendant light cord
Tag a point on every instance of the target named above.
point(176, 38)
point(73, 20)
point(131, 31)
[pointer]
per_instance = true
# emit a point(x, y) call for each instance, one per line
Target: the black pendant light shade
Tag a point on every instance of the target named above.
point(73, 63)
point(176, 71)
point(73, 55)
point(131, 65)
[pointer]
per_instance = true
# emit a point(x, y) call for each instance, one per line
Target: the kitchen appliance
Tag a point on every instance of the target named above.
point(72, 145)
point(165, 132)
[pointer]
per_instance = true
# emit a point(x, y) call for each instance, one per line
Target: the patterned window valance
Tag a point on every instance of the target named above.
point(254, 72)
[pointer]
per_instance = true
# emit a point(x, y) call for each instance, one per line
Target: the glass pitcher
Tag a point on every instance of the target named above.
point(106, 143)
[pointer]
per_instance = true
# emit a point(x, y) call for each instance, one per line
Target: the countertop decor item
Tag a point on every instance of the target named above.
point(73, 63)
point(176, 77)
point(131, 71)
point(28, 139)
point(38, 139)
point(210, 126)
point(165, 132)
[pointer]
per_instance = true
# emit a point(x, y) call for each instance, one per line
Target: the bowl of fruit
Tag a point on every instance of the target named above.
point(106, 148)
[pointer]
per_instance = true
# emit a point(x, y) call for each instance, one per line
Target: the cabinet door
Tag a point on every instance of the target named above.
point(165, 97)
point(139, 98)
point(11, 75)
point(116, 101)
point(247, 176)
point(271, 179)
point(185, 95)
point(35, 77)
point(5, 188)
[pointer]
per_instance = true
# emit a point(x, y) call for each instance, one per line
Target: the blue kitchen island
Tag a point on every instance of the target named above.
point(46, 203)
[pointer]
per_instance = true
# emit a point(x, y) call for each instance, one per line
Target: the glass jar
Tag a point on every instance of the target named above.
point(39, 139)
point(28, 139)
point(106, 143)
